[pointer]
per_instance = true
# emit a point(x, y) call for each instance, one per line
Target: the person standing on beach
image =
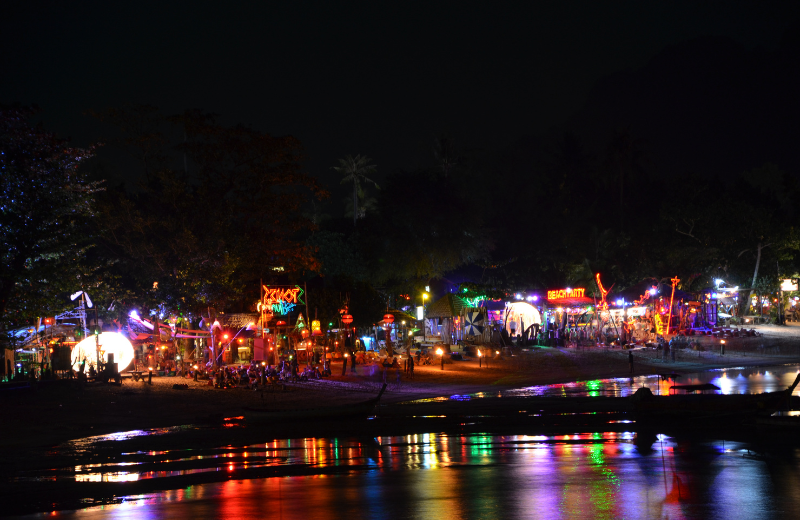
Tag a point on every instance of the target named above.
point(630, 360)
point(410, 367)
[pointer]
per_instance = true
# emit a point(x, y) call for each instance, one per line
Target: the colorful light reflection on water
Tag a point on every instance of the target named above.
point(737, 380)
point(590, 475)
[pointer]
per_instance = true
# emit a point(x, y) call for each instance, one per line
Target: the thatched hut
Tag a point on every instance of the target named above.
point(444, 319)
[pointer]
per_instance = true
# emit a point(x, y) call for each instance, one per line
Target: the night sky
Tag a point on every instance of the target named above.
point(376, 78)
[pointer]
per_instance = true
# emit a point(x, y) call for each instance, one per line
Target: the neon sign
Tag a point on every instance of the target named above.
point(560, 294)
point(281, 300)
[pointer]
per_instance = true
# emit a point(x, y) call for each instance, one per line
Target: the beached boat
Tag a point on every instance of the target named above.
point(785, 421)
point(346, 411)
point(704, 407)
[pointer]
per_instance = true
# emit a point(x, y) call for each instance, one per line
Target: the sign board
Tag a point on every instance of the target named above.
point(420, 312)
point(560, 294)
point(789, 284)
point(281, 300)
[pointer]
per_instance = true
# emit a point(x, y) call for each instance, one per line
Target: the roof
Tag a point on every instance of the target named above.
point(447, 306)
point(401, 315)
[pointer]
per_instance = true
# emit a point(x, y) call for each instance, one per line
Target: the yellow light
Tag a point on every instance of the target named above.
point(424, 296)
point(345, 354)
point(195, 367)
point(480, 353)
point(497, 352)
point(150, 369)
point(439, 351)
point(263, 364)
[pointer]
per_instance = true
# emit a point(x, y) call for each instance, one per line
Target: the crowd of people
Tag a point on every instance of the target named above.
point(258, 374)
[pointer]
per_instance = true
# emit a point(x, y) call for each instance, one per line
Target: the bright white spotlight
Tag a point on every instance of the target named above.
point(110, 343)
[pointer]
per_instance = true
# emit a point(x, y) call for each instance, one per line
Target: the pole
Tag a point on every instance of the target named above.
point(780, 305)
point(305, 292)
point(675, 281)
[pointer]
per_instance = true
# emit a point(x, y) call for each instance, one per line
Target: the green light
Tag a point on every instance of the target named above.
point(330, 324)
point(594, 385)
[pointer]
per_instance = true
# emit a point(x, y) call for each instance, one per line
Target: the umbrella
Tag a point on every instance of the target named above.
point(473, 323)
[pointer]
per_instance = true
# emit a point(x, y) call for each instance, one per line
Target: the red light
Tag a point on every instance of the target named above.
point(225, 336)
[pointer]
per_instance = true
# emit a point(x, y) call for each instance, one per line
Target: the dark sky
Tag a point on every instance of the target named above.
point(377, 78)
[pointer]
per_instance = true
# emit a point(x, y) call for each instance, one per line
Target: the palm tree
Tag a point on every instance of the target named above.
point(444, 150)
point(366, 203)
point(355, 170)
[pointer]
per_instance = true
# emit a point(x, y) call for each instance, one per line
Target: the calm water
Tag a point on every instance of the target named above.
point(738, 380)
point(430, 476)
point(439, 476)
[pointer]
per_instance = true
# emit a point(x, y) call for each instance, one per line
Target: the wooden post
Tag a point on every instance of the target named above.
point(675, 281)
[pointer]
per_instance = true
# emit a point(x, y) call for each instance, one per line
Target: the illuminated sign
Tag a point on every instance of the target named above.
point(560, 294)
point(281, 300)
point(789, 284)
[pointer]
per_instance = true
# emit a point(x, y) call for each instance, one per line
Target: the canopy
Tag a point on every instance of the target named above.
point(448, 306)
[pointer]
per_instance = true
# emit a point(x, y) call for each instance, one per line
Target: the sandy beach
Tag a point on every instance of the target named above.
point(53, 414)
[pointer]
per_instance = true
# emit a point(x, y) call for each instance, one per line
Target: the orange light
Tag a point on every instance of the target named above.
point(225, 336)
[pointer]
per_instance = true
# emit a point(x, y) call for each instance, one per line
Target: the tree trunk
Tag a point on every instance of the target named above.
point(755, 277)
point(355, 203)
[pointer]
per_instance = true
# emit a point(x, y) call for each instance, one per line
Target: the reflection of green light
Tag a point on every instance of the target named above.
point(603, 490)
point(594, 393)
point(594, 385)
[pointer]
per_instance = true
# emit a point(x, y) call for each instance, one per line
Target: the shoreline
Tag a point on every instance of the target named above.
point(104, 409)
point(56, 430)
